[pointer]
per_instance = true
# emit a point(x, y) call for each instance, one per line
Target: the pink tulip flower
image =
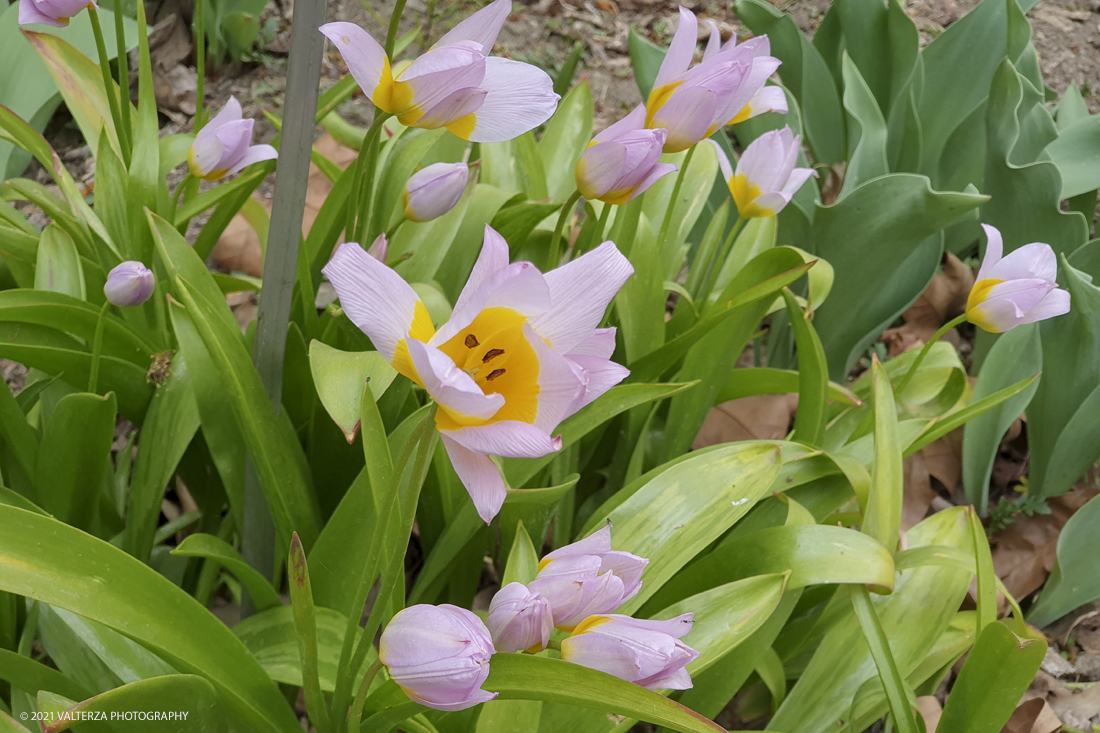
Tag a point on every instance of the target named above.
point(51, 12)
point(767, 99)
point(433, 191)
point(586, 578)
point(130, 283)
point(223, 148)
point(1017, 289)
point(622, 161)
point(692, 103)
point(646, 652)
point(438, 655)
point(765, 179)
point(520, 353)
point(519, 619)
point(456, 84)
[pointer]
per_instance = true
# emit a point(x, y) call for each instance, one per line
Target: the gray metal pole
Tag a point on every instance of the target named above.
point(299, 108)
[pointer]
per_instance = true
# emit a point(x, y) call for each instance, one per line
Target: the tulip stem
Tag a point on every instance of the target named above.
point(667, 223)
point(394, 229)
point(97, 347)
point(601, 224)
point(123, 81)
point(553, 644)
point(554, 255)
point(356, 713)
point(924, 352)
point(720, 259)
point(391, 34)
point(108, 79)
point(362, 192)
point(198, 28)
point(179, 190)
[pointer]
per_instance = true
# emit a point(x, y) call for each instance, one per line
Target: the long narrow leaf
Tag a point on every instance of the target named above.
point(888, 672)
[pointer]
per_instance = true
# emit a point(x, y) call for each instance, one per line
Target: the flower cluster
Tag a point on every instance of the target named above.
point(439, 655)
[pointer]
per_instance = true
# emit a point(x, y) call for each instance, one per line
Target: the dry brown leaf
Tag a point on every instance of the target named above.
point(918, 493)
point(760, 417)
point(239, 249)
point(1025, 551)
point(1033, 716)
point(931, 710)
point(1086, 630)
point(1077, 710)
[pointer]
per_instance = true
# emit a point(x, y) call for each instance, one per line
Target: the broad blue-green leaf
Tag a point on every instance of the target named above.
point(883, 242)
point(866, 130)
point(1017, 355)
point(1075, 579)
point(1076, 152)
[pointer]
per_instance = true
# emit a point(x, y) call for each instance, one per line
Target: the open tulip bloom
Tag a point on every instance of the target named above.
point(692, 103)
point(622, 161)
point(586, 578)
point(455, 84)
point(766, 177)
point(1017, 289)
point(646, 652)
point(223, 147)
point(766, 99)
point(51, 12)
point(520, 353)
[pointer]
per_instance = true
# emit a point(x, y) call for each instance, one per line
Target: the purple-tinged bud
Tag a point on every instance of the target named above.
point(439, 655)
point(51, 12)
point(433, 191)
point(622, 161)
point(380, 249)
point(646, 652)
point(130, 283)
point(519, 620)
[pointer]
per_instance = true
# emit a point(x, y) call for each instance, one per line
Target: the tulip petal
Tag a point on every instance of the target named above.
point(633, 121)
point(507, 439)
point(235, 137)
point(714, 41)
point(482, 27)
point(30, 14)
point(366, 60)
point(380, 249)
point(600, 344)
point(453, 107)
point(687, 115)
point(681, 51)
point(476, 697)
point(599, 375)
point(480, 477)
point(425, 634)
point(254, 154)
point(761, 163)
point(1025, 293)
point(798, 177)
point(996, 316)
point(1056, 303)
point(454, 389)
point(519, 97)
point(768, 99)
point(231, 112)
point(1035, 260)
point(580, 292)
point(376, 299)
point(492, 259)
point(762, 68)
point(599, 168)
point(676, 680)
point(994, 250)
point(435, 76)
point(519, 286)
point(560, 385)
point(603, 653)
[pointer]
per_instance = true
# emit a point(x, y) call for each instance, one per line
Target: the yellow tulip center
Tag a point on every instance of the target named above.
point(744, 195)
point(978, 295)
point(395, 96)
point(495, 352)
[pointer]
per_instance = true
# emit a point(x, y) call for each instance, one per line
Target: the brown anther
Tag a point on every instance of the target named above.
point(494, 374)
point(490, 355)
point(471, 342)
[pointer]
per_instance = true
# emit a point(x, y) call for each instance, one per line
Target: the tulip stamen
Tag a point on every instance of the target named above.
point(471, 341)
point(490, 355)
point(494, 374)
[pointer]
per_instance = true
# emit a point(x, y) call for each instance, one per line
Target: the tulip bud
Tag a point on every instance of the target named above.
point(1016, 289)
point(643, 651)
point(519, 619)
point(765, 179)
point(439, 655)
point(587, 578)
point(380, 249)
point(622, 161)
point(130, 283)
point(222, 147)
point(433, 191)
point(51, 12)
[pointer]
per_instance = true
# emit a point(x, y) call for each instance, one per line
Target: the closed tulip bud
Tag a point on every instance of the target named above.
point(646, 652)
point(51, 12)
point(130, 283)
point(765, 179)
point(519, 619)
point(438, 655)
point(223, 148)
point(433, 191)
point(380, 249)
point(1017, 289)
point(622, 161)
point(587, 578)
